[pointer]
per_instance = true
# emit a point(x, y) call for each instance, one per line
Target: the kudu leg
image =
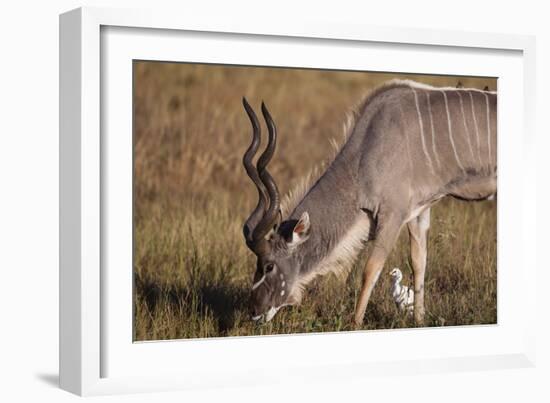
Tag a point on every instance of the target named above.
point(418, 235)
point(383, 244)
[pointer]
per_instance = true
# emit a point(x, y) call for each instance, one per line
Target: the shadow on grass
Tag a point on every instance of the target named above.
point(222, 301)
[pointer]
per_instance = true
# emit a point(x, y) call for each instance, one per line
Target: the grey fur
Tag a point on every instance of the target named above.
point(386, 174)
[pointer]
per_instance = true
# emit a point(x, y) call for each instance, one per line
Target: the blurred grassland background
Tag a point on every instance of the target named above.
point(192, 270)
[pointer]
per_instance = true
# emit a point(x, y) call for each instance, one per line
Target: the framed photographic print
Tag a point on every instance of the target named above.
point(235, 190)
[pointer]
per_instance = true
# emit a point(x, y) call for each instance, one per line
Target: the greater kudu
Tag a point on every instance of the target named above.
point(408, 146)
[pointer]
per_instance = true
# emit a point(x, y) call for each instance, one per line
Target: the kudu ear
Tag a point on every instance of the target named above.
point(300, 231)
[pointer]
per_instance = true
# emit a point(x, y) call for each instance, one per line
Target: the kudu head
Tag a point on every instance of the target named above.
point(273, 242)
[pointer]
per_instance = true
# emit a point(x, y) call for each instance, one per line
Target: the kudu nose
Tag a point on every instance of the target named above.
point(253, 310)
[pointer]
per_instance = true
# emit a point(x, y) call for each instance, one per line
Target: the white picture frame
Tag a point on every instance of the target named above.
point(96, 354)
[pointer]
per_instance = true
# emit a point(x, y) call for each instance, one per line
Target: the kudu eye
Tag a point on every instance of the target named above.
point(269, 267)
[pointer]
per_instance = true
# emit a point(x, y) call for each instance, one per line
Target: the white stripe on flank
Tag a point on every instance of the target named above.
point(451, 132)
point(406, 137)
point(488, 128)
point(466, 125)
point(257, 284)
point(477, 129)
point(432, 127)
point(421, 124)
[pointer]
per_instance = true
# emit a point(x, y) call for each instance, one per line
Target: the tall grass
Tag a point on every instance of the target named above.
point(192, 269)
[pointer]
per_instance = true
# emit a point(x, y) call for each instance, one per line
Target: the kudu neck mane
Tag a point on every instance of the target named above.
point(338, 226)
point(297, 196)
point(334, 237)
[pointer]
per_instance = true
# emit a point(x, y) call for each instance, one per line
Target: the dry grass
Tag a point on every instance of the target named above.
point(193, 271)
